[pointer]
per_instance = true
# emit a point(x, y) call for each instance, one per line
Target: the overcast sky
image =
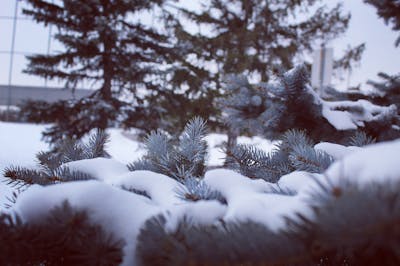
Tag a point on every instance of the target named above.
point(365, 26)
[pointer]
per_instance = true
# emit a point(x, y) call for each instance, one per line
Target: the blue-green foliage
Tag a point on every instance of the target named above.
point(360, 139)
point(51, 169)
point(272, 108)
point(244, 105)
point(64, 236)
point(350, 225)
point(294, 152)
point(388, 89)
point(180, 159)
point(194, 189)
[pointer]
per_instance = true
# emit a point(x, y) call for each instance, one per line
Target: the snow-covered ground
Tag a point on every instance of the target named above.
point(19, 143)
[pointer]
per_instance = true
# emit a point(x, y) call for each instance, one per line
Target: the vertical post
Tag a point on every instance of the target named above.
point(10, 72)
point(48, 52)
point(322, 70)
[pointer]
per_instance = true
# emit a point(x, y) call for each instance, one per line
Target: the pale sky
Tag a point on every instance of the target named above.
point(365, 26)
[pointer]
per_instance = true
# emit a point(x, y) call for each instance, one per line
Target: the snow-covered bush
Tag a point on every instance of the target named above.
point(294, 152)
point(52, 166)
point(344, 213)
point(64, 236)
point(270, 109)
point(305, 203)
point(351, 225)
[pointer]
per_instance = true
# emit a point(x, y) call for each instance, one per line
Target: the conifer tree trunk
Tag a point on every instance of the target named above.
point(107, 72)
point(233, 134)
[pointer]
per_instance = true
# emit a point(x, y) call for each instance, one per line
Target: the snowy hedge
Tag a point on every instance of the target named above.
point(99, 211)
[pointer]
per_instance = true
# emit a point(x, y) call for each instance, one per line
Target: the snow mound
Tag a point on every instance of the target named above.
point(296, 180)
point(337, 151)
point(197, 213)
point(122, 201)
point(374, 163)
point(252, 199)
point(160, 188)
point(119, 212)
point(101, 168)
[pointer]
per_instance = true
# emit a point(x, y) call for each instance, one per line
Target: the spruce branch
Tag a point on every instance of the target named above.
point(96, 146)
point(360, 139)
point(178, 159)
point(308, 159)
point(136, 191)
point(194, 189)
point(51, 169)
point(254, 163)
point(20, 176)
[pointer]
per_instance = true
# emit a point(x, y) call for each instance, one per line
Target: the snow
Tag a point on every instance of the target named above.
point(230, 183)
point(122, 148)
point(296, 180)
point(341, 120)
point(350, 115)
point(364, 111)
point(249, 199)
point(337, 151)
point(101, 168)
point(216, 156)
point(19, 144)
point(197, 213)
point(374, 163)
point(122, 212)
point(160, 188)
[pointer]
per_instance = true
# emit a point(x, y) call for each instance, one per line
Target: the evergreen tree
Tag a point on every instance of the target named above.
point(288, 103)
point(389, 10)
point(256, 38)
point(104, 46)
point(387, 90)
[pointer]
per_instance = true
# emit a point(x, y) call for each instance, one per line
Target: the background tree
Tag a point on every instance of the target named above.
point(289, 102)
point(389, 10)
point(256, 38)
point(105, 46)
point(388, 89)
